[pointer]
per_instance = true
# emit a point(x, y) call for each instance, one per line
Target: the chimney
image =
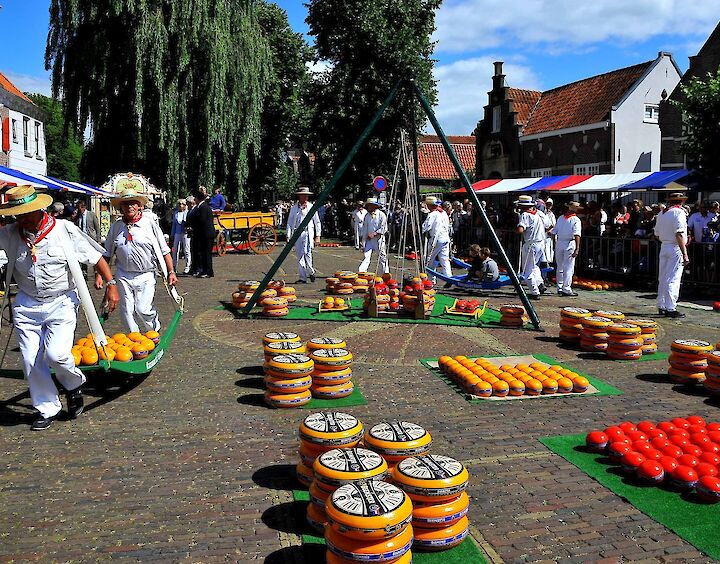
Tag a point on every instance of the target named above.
point(499, 77)
point(498, 68)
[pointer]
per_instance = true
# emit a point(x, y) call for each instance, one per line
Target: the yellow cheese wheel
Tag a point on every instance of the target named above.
point(575, 312)
point(696, 364)
point(512, 310)
point(396, 440)
point(316, 517)
point(331, 281)
point(570, 325)
point(569, 336)
point(331, 429)
point(268, 293)
point(331, 359)
point(595, 321)
point(593, 346)
point(686, 376)
point(331, 378)
point(331, 558)
point(288, 385)
point(624, 354)
point(290, 364)
point(650, 348)
point(379, 550)
point(273, 303)
point(286, 291)
point(512, 321)
point(714, 357)
point(646, 325)
point(442, 539)
point(333, 391)
point(278, 337)
point(282, 312)
point(649, 338)
point(440, 515)
point(625, 341)
point(369, 509)
point(614, 315)
point(287, 400)
point(691, 346)
point(622, 329)
point(304, 474)
point(338, 467)
point(431, 477)
point(309, 451)
point(318, 496)
point(283, 347)
point(325, 343)
point(248, 285)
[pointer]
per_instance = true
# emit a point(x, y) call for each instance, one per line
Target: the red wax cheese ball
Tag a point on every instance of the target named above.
point(688, 460)
point(627, 426)
point(713, 427)
point(660, 442)
point(714, 435)
point(695, 429)
point(677, 432)
point(705, 469)
point(668, 463)
point(650, 472)
point(597, 441)
point(678, 440)
point(617, 450)
point(708, 489)
point(692, 449)
point(666, 426)
point(672, 451)
point(680, 422)
point(684, 478)
point(614, 433)
point(699, 438)
point(631, 461)
point(636, 436)
point(710, 458)
point(710, 447)
point(656, 433)
point(653, 454)
point(695, 420)
point(646, 426)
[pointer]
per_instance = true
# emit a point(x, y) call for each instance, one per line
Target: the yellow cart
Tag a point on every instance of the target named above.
point(245, 231)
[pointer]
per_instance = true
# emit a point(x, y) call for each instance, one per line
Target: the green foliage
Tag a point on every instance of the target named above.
point(700, 105)
point(369, 46)
point(63, 146)
point(171, 89)
point(285, 181)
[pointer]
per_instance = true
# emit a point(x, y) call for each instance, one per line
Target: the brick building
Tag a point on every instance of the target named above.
point(598, 125)
point(435, 169)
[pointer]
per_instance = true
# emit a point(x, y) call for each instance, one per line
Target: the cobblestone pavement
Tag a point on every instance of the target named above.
point(189, 465)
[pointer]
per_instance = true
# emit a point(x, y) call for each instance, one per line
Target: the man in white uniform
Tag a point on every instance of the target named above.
point(671, 229)
point(375, 227)
point(45, 308)
point(532, 228)
point(308, 238)
point(437, 229)
point(550, 221)
point(138, 245)
point(698, 222)
point(357, 217)
point(567, 230)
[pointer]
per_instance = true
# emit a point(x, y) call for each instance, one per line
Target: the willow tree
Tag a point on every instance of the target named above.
point(170, 89)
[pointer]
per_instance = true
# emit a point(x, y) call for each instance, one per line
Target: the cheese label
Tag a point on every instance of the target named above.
point(291, 359)
point(430, 467)
point(330, 422)
point(326, 341)
point(691, 343)
point(331, 353)
point(281, 336)
point(285, 346)
point(602, 313)
point(577, 310)
point(351, 460)
point(397, 431)
point(368, 498)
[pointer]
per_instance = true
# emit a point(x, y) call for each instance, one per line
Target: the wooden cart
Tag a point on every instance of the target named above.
point(245, 231)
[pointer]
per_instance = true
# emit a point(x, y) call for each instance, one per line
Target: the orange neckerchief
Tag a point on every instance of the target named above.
point(132, 222)
point(568, 215)
point(46, 226)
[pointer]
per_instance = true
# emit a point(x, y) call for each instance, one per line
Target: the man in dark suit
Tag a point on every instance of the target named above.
point(87, 221)
point(200, 223)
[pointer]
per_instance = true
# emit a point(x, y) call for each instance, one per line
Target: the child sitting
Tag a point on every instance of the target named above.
point(482, 267)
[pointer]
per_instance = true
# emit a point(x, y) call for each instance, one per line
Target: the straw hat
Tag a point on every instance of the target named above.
point(573, 205)
point(525, 201)
point(374, 202)
point(23, 199)
point(303, 190)
point(129, 195)
point(677, 196)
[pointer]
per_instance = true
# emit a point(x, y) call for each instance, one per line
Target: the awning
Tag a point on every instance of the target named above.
point(581, 183)
point(17, 177)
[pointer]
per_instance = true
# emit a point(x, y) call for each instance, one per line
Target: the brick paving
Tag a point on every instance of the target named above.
point(189, 465)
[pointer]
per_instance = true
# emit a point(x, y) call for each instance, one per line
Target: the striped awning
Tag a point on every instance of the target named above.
point(16, 177)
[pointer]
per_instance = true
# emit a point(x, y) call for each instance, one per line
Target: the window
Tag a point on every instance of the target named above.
point(589, 168)
point(652, 112)
point(497, 111)
point(37, 138)
point(14, 131)
point(540, 172)
point(26, 133)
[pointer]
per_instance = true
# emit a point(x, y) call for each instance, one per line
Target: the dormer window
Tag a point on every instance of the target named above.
point(652, 112)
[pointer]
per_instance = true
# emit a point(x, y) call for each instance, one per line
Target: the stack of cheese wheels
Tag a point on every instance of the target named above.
point(274, 307)
point(436, 485)
point(346, 282)
point(712, 373)
point(271, 350)
point(368, 521)
point(511, 315)
point(614, 316)
point(397, 440)
point(288, 381)
point(368, 276)
point(280, 337)
point(648, 331)
point(594, 336)
point(240, 298)
point(624, 341)
point(333, 372)
point(570, 323)
point(330, 283)
point(360, 285)
point(287, 292)
point(688, 361)
point(249, 286)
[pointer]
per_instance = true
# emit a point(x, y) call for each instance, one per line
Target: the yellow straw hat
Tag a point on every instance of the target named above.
point(23, 199)
point(129, 195)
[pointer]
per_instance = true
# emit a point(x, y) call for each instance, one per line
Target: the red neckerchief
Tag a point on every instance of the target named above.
point(569, 215)
point(671, 207)
point(531, 212)
point(46, 226)
point(132, 222)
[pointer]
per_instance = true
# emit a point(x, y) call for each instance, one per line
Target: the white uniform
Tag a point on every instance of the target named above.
point(697, 224)
point(549, 248)
point(668, 223)
point(357, 217)
point(45, 310)
point(437, 228)
point(181, 240)
point(377, 222)
point(566, 228)
point(532, 249)
point(136, 260)
point(305, 243)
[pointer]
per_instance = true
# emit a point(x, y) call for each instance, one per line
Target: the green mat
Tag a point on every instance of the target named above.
point(603, 388)
point(696, 522)
point(356, 398)
point(466, 552)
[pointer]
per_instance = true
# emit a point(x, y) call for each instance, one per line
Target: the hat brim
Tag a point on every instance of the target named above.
point(528, 204)
point(303, 193)
point(42, 202)
point(142, 200)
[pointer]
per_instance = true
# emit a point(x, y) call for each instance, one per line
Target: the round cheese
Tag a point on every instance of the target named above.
point(614, 315)
point(288, 385)
point(690, 346)
point(378, 550)
point(290, 364)
point(333, 391)
point(331, 359)
point(316, 517)
point(396, 440)
point(283, 347)
point(622, 329)
point(431, 477)
point(275, 399)
point(331, 429)
point(331, 558)
point(331, 377)
point(595, 321)
point(338, 467)
point(282, 312)
point(442, 539)
point(318, 496)
point(440, 515)
point(575, 312)
point(277, 337)
point(304, 474)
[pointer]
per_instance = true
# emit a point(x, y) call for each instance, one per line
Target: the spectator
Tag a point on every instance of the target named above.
point(395, 220)
point(87, 222)
point(698, 222)
point(57, 210)
point(217, 202)
point(202, 226)
point(357, 218)
point(179, 236)
point(482, 267)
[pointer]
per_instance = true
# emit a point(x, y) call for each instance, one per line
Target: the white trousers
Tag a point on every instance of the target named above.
point(137, 296)
point(671, 269)
point(375, 245)
point(358, 229)
point(441, 253)
point(181, 241)
point(565, 265)
point(532, 254)
point(549, 250)
point(303, 250)
point(45, 332)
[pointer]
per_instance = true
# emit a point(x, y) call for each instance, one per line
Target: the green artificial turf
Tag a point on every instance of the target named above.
point(603, 388)
point(696, 522)
point(466, 552)
point(356, 398)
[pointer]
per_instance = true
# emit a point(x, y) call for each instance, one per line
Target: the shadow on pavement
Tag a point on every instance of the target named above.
point(109, 387)
point(257, 383)
point(250, 371)
point(13, 413)
point(257, 400)
point(288, 517)
point(276, 477)
point(306, 553)
point(656, 378)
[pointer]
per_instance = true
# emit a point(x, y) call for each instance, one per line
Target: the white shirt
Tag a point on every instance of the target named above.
point(135, 254)
point(697, 223)
point(669, 222)
point(437, 226)
point(375, 221)
point(534, 226)
point(358, 216)
point(567, 227)
point(296, 217)
point(49, 276)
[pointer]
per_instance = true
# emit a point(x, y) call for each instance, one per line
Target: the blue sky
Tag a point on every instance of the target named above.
point(544, 43)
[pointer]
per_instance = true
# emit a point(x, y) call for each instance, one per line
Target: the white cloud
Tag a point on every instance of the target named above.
point(471, 25)
point(318, 67)
point(463, 87)
point(30, 83)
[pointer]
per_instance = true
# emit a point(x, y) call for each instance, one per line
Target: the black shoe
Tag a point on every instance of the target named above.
point(300, 282)
point(204, 276)
point(312, 278)
point(568, 295)
point(75, 403)
point(534, 296)
point(447, 285)
point(662, 311)
point(542, 288)
point(197, 275)
point(674, 314)
point(42, 423)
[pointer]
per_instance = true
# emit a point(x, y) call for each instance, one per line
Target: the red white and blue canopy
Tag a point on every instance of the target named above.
point(17, 178)
point(581, 183)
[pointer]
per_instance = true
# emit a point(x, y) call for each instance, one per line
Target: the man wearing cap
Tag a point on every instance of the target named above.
point(532, 229)
point(437, 228)
point(357, 217)
point(309, 237)
point(375, 227)
point(550, 222)
point(567, 230)
point(671, 228)
point(39, 247)
point(138, 245)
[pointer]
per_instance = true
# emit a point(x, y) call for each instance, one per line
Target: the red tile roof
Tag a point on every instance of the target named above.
point(583, 102)
point(524, 101)
point(10, 87)
point(434, 163)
